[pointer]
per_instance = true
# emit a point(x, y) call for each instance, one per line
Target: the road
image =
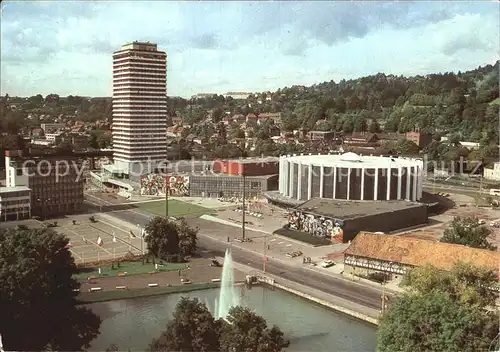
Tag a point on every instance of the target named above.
point(450, 188)
point(354, 292)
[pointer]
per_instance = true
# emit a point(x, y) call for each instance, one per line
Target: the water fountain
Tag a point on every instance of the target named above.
point(228, 296)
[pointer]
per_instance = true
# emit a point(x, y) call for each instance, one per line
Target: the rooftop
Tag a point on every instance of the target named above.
point(213, 174)
point(352, 160)
point(418, 252)
point(350, 209)
point(262, 160)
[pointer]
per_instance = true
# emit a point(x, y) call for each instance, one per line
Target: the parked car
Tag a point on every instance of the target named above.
point(327, 264)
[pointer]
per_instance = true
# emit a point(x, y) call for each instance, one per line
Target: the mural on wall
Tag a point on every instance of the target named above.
point(315, 225)
point(154, 185)
point(178, 186)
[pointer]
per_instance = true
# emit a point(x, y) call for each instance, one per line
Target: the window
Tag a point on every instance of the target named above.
point(19, 172)
point(255, 185)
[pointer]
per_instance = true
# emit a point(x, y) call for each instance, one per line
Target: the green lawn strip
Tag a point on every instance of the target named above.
point(176, 208)
point(131, 268)
point(103, 296)
point(496, 101)
point(303, 237)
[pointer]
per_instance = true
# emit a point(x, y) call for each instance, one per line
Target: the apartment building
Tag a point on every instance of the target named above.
point(15, 203)
point(52, 126)
point(56, 182)
point(139, 106)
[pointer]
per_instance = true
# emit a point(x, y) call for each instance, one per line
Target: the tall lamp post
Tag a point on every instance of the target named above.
point(167, 184)
point(142, 237)
point(383, 289)
point(242, 173)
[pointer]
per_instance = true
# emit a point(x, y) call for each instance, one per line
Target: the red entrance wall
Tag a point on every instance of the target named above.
point(237, 168)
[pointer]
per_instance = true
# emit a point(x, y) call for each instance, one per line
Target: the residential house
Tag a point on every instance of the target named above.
point(275, 117)
point(321, 135)
point(237, 95)
point(175, 131)
point(36, 132)
point(492, 174)
point(52, 126)
point(419, 138)
point(176, 120)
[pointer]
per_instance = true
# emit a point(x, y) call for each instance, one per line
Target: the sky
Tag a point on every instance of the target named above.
point(66, 47)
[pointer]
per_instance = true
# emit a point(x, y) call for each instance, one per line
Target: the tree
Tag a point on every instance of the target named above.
point(435, 322)
point(193, 328)
point(37, 294)
point(245, 331)
point(93, 141)
point(188, 239)
point(464, 283)
point(374, 127)
point(442, 311)
point(104, 141)
point(468, 232)
point(163, 238)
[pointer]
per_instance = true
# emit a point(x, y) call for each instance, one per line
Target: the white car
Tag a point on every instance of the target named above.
point(327, 264)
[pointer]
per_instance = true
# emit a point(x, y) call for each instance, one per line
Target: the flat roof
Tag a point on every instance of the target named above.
point(14, 189)
point(221, 175)
point(353, 160)
point(270, 159)
point(352, 209)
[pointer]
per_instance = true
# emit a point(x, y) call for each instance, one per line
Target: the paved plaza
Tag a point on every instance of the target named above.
point(84, 235)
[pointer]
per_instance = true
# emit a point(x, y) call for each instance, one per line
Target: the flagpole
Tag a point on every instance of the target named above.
point(97, 255)
point(114, 254)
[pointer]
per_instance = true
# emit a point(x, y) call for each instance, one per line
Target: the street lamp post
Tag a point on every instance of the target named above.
point(142, 238)
point(243, 203)
point(166, 196)
point(383, 289)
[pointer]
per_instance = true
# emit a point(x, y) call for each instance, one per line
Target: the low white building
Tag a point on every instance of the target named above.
point(15, 203)
point(492, 174)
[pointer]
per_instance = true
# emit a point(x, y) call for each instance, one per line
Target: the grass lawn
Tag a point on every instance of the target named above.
point(303, 237)
point(176, 208)
point(103, 296)
point(131, 268)
point(496, 101)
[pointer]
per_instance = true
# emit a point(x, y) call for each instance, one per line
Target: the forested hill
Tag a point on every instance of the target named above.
point(449, 102)
point(463, 102)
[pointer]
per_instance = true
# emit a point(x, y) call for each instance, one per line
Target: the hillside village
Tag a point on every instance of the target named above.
point(446, 116)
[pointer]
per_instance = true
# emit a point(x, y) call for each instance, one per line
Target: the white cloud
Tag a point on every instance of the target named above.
point(240, 46)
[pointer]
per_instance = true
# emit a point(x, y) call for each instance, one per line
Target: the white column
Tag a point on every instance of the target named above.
point(415, 182)
point(334, 182)
point(375, 187)
point(299, 181)
point(399, 182)
point(309, 181)
point(285, 175)
point(291, 181)
point(408, 182)
point(321, 176)
point(389, 174)
point(362, 184)
point(283, 185)
point(420, 180)
point(280, 185)
point(348, 182)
